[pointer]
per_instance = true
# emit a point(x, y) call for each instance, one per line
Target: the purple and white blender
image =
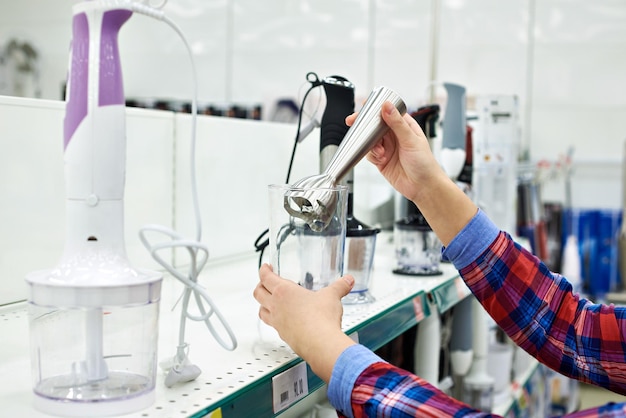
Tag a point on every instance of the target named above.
point(94, 317)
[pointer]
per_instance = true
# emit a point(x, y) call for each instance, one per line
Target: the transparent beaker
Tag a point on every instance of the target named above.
point(418, 250)
point(93, 348)
point(359, 258)
point(307, 256)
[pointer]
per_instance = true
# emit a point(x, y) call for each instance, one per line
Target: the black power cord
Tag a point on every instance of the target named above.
point(262, 242)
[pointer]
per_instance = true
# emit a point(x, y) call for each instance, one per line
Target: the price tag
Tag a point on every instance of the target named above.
point(215, 414)
point(523, 400)
point(419, 310)
point(289, 387)
point(461, 288)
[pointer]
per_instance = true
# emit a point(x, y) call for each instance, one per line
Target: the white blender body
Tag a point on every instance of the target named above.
point(454, 127)
point(94, 318)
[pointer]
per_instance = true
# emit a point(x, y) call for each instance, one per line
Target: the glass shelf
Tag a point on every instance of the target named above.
point(449, 293)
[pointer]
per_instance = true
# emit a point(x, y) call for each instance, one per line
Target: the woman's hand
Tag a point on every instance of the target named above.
point(309, 321)
point(403, 155)
point(404, 158)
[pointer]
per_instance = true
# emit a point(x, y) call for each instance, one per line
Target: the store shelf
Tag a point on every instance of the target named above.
point(239, 383)
point(518, 402)
point(449, 293)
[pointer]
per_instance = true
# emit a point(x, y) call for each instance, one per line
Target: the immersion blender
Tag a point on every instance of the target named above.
point(454, 131)
point(94, 317)
point(360, 238)
point(308, 200)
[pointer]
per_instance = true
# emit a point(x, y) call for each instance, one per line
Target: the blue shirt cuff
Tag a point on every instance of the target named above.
point(349, 366)
point(471, 241)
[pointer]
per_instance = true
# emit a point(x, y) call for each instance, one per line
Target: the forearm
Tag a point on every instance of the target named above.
point(444, 205)
point(324, 352)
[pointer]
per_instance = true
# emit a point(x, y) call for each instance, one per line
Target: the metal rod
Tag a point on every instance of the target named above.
point(435, 23)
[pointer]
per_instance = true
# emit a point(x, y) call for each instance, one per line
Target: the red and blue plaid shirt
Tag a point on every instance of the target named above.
point(534, 306)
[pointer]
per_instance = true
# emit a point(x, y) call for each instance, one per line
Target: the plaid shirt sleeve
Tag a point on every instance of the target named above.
point(538, 310)
point(364, 385)
point(535, 307)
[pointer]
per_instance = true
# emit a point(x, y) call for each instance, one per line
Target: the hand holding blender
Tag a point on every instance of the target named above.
point(316, 206)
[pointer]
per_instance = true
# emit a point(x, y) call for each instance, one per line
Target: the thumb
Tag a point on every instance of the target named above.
point(343, 285)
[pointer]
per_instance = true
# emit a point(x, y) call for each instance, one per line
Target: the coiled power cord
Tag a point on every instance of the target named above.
point(179, 368)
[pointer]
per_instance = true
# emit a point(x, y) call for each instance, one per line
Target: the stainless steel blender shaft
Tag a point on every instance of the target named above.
point(310, 199)
point(367, 129)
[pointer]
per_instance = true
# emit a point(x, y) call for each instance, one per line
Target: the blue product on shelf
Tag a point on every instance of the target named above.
point(607, 280)
point(597, 232)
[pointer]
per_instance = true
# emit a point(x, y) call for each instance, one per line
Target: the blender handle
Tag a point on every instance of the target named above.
point(94, 121)
point(94, 130)
point(364, 133)
point(339, 104)
point(455, 120)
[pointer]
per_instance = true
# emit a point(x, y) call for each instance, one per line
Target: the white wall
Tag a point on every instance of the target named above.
point(236, 161)
point(569, 75)
point(563, 58)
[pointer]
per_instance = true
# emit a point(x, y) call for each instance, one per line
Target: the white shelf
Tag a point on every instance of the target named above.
point(516, 396)
point(237, 383)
